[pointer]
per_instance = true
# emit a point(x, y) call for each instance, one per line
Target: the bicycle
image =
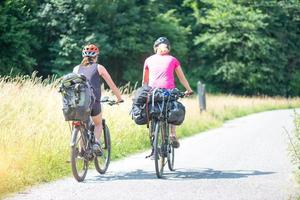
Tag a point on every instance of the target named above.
point(82, 139)
point(159, 133)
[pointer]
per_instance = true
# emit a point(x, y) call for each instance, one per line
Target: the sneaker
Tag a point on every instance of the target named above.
point(97, 149)
point(174, 142)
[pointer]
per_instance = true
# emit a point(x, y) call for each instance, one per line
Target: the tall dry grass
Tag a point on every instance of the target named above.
point(34, 138)
point(295, 143)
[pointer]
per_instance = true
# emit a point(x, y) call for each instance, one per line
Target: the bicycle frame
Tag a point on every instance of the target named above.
point(86, 138)
point(159, 134)
point(85, 129)
point(162, 124)
point(82, 151)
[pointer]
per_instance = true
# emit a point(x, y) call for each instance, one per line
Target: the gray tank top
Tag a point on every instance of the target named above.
point(92, 74)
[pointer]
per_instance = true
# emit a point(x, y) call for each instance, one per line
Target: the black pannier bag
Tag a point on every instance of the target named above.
point(77, 96)
point(149, 102)
point(139, 114)
point(176, 113)
point(139, 107)
point(145, 94)
point(141, 95)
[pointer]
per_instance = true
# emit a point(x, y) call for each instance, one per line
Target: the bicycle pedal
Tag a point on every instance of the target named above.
point(98, 153)
point(151, 154)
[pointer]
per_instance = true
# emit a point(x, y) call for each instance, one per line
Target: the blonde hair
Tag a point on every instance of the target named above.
point(88, 60)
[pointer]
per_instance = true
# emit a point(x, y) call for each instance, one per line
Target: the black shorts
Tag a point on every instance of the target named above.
point(96, 109)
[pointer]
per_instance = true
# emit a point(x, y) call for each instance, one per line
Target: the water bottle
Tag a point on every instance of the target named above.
point(166, 93)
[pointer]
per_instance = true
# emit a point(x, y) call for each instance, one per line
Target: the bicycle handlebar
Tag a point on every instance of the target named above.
point(187, 94)
point(184, 94)
point(111, 102)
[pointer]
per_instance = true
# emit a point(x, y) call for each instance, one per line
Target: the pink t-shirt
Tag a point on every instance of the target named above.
point(161, 70)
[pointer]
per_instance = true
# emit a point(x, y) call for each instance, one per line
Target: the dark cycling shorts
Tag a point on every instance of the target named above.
point(96, 109)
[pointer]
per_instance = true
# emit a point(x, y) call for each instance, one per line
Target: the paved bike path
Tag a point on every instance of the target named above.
point(247, 158)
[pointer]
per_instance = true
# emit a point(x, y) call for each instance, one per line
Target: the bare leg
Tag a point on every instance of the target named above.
point(98, 126)
point(173, 130)
point(174, 141)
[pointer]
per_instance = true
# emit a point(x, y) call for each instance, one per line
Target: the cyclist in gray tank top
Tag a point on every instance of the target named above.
point(94, 72)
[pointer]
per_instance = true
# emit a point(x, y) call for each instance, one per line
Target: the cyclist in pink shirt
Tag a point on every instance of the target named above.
point(159, 73)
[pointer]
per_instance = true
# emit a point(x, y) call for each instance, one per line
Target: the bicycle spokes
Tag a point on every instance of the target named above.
point(102, 162)
point(79, 161)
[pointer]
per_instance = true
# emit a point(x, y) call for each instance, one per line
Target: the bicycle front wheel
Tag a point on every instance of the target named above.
point(170, 150)
point(79, 163)
point(159, 156)
point(102, 162)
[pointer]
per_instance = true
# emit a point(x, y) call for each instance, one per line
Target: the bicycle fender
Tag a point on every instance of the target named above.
point(74, 137)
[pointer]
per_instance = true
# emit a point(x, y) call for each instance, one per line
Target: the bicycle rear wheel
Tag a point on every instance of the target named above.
point(102, 162)
point(79, 163)
point(159, 156)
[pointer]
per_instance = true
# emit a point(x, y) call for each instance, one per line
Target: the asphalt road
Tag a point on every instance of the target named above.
point(247, 158)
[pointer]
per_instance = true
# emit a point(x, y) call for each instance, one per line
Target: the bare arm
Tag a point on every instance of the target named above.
point(182, 79)
point(103, 72)
point(145, 75)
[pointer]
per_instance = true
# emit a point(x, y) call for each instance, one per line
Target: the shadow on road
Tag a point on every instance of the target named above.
point(181, 174)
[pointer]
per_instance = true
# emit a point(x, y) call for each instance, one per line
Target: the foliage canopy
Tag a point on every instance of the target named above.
point(234, 46)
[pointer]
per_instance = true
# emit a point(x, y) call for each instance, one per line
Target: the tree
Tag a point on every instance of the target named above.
point(16, 39)
point(284, 27)
point(236, 56)
point(62, 31)
point(236, 46)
